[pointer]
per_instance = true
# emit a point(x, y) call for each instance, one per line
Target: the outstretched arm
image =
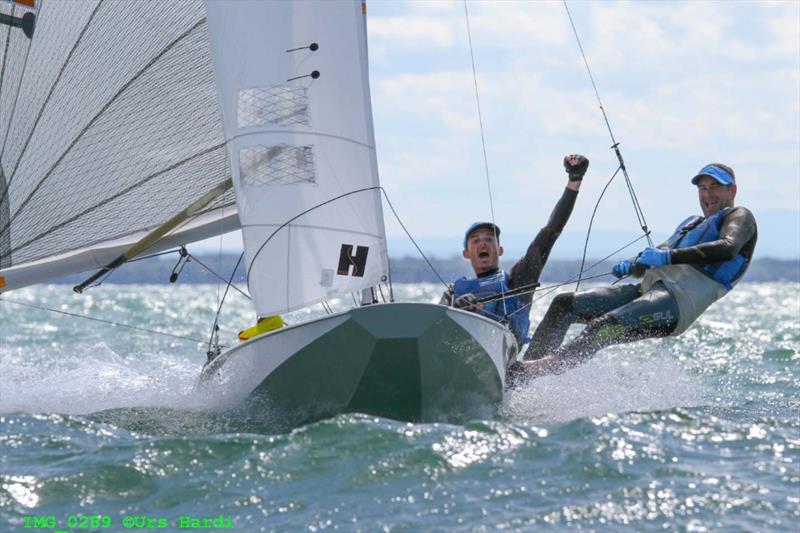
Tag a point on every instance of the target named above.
point(737, 234)
point(528, 269)
point(737, 230)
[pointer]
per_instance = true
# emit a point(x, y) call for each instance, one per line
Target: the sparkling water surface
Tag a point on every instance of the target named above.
point(695, 433)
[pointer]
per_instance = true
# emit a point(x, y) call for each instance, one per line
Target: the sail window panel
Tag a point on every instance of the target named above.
point(124, 39)
point(142, 208)
point(283, 105)
point(60, 29)
point(281, 164)
point(166, 117)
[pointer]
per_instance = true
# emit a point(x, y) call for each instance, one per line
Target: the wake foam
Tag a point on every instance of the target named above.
point(616, 380)
point(94, 380)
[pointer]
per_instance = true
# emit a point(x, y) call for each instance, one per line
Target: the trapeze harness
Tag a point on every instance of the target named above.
point(698, 230)
point(509, 311)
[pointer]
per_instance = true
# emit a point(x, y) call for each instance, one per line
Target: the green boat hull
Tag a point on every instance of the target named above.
point(405, 361)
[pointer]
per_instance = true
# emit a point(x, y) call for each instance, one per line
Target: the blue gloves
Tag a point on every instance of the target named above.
point(622, 269)
point(650, 257)
point(654, 257)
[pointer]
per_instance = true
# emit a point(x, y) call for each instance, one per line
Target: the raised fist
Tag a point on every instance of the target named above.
point(575, 165)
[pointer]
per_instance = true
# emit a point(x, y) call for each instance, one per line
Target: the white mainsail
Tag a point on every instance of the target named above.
point(109, 126)
point(294, 94)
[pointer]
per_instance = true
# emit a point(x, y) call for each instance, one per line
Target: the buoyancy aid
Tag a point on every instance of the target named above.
point(509, 311)
point(698, 230)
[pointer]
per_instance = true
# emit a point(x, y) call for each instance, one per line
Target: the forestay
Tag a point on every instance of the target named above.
point(293, 87)
point(109, 125)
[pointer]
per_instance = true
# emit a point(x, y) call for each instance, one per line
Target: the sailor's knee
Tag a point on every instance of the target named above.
point(563, 302)
point(606, 329)
point(603, 322)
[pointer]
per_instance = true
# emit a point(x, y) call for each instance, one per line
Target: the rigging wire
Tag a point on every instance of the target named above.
point(589, 230)
point(533, 287)
point(215, 327)
point(408, 233)
point(326, 202)
point(188, 255)
point(550, 289)
point(95, 319)
point(615, 145)
point(219, 260)
point(220, 278)
point(229, 282)
point(483, 137)
point(480, 115)
point(211, 353)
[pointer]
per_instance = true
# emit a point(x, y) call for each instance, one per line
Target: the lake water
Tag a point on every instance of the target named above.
point(696, 433)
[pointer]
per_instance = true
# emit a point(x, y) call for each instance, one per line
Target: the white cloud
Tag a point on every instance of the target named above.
point(449, 8)
point(411, 31)
point(445, 97)
point(682, 83)
point(518, 25)
point(785, 27)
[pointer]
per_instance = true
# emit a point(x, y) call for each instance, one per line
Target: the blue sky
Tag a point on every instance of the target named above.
point(683, 84)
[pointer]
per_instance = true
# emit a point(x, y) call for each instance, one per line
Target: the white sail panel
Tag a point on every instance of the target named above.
point(109, 124)
point(294, 93)
point(209, 224)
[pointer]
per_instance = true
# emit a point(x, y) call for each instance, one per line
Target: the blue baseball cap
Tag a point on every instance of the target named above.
point(480, 225)
point(715, 171)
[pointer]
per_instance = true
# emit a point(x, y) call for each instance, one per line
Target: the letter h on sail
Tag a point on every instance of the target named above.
point(357, 261)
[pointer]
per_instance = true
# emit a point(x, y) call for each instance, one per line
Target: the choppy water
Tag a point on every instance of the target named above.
point(698, 433)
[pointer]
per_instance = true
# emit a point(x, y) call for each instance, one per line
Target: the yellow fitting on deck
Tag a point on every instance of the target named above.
point(264, 325)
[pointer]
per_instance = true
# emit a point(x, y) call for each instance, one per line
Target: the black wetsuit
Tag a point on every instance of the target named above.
point(527, 270)
point(623, 314)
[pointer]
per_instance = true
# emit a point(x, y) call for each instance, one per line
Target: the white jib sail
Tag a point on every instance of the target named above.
point(294, 93)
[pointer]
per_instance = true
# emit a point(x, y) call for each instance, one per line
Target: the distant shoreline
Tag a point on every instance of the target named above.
point(403, 270)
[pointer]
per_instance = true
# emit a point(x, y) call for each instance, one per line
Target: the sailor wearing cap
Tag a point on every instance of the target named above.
point(482, 249)
point(702, 260)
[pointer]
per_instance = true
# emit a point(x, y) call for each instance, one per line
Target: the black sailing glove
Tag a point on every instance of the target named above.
point(575, 165)
point(467, 302)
